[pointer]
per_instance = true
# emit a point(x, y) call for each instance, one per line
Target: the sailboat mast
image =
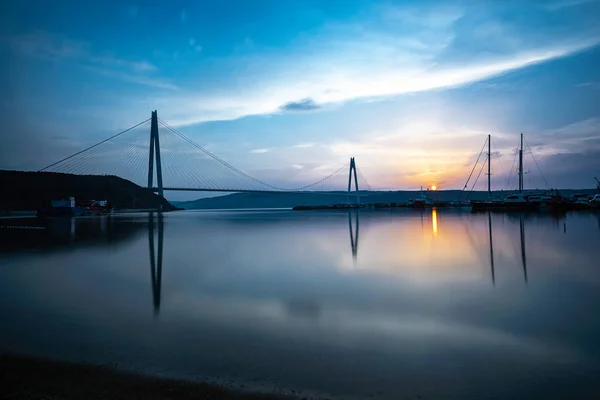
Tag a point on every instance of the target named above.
point(489, 167)
point(521, 165)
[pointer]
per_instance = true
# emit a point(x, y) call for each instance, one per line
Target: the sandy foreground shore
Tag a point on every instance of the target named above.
point(30, 378)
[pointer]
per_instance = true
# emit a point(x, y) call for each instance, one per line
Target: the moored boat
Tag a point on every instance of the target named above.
point(61, 208)
point(422, 201)
point(513, 202)
point(98, 207)
point(518, 201)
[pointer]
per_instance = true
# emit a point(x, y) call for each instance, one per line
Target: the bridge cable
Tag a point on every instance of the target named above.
point(364, 179)
point(226, 164)
point(223, 162)
point(96, 145)
point(324, 179)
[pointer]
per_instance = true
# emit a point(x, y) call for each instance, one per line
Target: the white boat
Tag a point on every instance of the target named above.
point(580, 199)
point(543, 200)
point(63, 203)
point(516, 198)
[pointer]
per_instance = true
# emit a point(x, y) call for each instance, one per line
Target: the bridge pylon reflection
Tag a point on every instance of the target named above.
point(156, 257)
point(354, 233)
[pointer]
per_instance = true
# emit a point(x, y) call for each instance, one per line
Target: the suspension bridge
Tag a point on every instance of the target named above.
point(170, 161)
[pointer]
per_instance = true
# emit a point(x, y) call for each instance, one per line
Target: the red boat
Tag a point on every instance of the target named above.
point(98, 207)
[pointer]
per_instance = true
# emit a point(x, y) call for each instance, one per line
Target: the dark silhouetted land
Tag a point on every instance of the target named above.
point(289, 200)
point(34, 190)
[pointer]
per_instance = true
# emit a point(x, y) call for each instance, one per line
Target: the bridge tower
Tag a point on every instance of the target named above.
point(155, 149)
point(353, 170)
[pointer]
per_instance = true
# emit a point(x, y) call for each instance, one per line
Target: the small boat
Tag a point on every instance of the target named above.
point(543, 200)
point(390, 205)
point(522, 201)
point(422, 201)
point(513, 202)
point(595, 201)
point(61, 208)
point(580, 201)
point(98, 207)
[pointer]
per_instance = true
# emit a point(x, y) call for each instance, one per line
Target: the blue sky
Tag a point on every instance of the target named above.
point(289, 90)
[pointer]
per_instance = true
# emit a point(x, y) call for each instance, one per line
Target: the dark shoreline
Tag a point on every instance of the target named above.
point(32, 378)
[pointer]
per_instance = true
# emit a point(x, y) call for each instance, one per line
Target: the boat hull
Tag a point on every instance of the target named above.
point(503, 206)
point(61, 212)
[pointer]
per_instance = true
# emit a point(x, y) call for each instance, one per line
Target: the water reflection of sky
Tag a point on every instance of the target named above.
point(280, 299)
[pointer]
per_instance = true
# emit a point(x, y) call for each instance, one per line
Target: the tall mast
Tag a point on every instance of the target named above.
point(489, 167)
point(521, 165)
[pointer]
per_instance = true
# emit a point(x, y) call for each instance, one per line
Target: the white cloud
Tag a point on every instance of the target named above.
point(304, 145)
point(561, 5)
point(261, 151)
point(195, 45)
point(593, 85)
point(402, 51)
point(316, 77)
point(133, 78)
point(570, 137)
point(59, 48)
point(143, 66)
point(442, 16)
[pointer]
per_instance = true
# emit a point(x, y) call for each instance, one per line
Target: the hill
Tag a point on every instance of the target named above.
point(289, 200)
point(33, 190)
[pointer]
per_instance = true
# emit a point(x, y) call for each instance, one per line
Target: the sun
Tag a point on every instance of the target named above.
point(433, 187)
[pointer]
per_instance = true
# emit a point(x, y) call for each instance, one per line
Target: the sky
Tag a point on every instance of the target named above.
point(288, 91)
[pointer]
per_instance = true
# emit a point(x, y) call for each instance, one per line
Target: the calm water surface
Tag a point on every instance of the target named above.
point(389, 305)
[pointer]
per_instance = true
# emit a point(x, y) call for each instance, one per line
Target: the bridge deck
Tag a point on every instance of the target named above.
point(336, 193)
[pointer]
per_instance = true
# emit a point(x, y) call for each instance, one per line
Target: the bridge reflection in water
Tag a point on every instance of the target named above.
point(156, 257)
point(156, 228)
point(156, 243)
point(354, 233)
